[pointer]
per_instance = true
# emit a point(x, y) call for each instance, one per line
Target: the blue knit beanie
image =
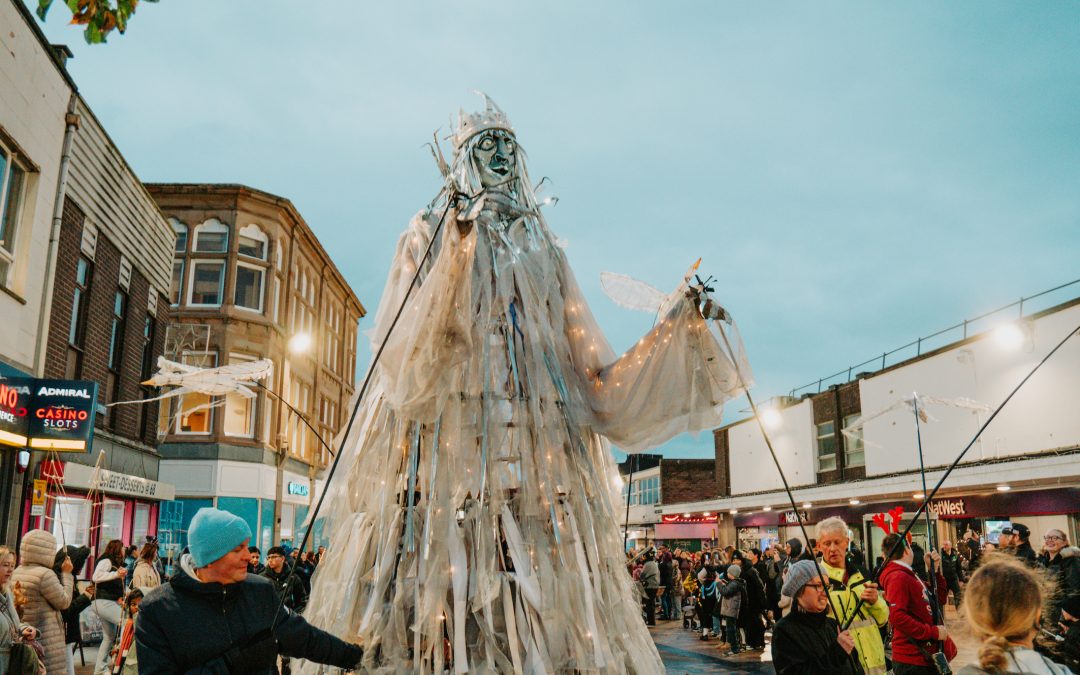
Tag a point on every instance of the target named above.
point(213, 533)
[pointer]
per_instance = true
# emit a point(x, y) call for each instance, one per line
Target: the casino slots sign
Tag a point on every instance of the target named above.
point(47, 414)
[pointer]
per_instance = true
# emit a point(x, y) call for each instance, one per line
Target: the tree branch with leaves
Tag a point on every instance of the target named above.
point(100, 17)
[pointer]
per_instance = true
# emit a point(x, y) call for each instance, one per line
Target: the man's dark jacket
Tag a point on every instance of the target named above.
point(1026, 553)
point(289, 586)
point(950, 566)
point(805, 644)
point(186, 626)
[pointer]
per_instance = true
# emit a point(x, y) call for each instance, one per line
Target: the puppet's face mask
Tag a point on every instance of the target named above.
point(495, 154)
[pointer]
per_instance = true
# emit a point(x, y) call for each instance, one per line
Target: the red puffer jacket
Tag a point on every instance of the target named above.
point(910, 616)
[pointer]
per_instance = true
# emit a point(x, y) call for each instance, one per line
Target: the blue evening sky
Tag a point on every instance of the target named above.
point(856, 174)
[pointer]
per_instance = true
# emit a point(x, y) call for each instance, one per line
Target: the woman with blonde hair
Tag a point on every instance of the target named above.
point(11, 626)
point(1003, 603)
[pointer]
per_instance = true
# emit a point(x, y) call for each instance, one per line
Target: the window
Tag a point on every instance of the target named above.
point(332, 330)
point(212, 237)
point(249, 287)
point(252, 242)
point(328, 424)
point(854, 451)
point(177, 284)
point(71, 522)
point(12, 178)
point(181, 235)
point(141, 523)
point(299, 434)
point(207, 283)
point(116, 354)
point(112, 522)
point(196, 410)
point(77, 327)
point(277, 298)
point(239, 409)
point(146, 370)
point(826, 446)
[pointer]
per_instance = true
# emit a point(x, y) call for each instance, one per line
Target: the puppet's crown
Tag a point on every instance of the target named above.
point(469, 125)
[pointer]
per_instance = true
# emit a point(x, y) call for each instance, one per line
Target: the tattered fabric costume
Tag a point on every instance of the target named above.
point(473, 526)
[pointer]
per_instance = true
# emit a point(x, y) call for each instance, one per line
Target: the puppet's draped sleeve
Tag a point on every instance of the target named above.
point(675, 379)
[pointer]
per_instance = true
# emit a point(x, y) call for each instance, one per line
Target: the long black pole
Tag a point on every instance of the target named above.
point(629, 490)
point(948, 471)
point(451, 197)
point(935, 607)
point(776, 461)
point(300, 415)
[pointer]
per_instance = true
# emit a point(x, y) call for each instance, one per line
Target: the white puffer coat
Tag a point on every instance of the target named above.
point(45, 595)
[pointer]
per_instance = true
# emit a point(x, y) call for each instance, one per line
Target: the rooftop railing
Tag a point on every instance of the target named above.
point(1023, 307)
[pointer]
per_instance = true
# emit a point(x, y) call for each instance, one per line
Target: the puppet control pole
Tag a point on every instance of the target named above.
point(779, 469)
point(935, 607)
point(948, 471)
point(629, 490)
point(451, 198)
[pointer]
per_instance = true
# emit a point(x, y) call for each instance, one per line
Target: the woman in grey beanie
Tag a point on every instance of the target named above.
point(808, 640)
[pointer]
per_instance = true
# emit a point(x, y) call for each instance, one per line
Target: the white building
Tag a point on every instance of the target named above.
point(1024, 468)
point(35, 95)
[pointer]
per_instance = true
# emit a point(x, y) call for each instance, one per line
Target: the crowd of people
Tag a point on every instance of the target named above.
point(42, 599)
point(828, 612)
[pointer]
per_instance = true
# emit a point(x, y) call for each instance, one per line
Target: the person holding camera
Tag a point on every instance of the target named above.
point(920, 644)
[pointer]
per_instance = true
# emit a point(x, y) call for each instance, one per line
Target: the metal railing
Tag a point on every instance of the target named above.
point(937, 340)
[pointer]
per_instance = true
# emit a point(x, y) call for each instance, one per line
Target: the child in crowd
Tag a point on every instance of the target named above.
point(125, 661)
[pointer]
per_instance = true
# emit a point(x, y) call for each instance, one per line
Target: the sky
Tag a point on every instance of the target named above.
point(854, 174)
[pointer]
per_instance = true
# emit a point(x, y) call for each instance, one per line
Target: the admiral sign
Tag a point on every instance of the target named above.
point(47, 414)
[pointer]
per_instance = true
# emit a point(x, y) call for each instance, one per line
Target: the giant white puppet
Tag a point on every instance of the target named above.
point(473, 523)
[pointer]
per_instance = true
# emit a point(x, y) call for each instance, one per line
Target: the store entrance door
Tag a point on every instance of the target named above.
point(875, 535)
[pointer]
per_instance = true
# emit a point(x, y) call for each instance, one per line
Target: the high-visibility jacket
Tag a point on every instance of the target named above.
point(845, 587)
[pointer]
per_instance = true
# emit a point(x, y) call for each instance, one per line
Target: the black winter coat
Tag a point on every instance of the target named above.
point(295, 597)
point(805, 644)
point(186, 626)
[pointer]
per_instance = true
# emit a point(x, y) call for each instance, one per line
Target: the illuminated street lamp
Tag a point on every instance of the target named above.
point(1009, 336)
point(300, 343)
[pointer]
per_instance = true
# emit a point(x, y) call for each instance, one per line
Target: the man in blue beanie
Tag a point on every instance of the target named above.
point(213, 617)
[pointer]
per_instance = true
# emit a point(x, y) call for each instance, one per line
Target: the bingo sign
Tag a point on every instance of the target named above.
point(15, 396)
point(53, 415)
point(62, 415)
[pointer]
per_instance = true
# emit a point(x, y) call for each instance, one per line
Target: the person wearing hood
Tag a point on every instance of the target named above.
point(808, 641)
point(1062, 561)
point(650, 582)
point(46, 594)
point(918, 629)
point(79, 601)
point(213, 617)
point(794, 550)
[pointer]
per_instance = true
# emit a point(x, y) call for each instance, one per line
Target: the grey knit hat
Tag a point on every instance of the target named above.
point(798, 575)
point(734, 571)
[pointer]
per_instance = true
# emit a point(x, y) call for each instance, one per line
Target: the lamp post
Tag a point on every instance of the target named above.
point(299, 344)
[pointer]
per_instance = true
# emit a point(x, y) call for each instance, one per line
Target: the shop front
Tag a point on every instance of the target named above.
point(248, 490)
point(983, 516)
point(85, 506)
point(690, 533)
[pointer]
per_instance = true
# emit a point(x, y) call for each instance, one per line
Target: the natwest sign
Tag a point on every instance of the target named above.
point(947, 507)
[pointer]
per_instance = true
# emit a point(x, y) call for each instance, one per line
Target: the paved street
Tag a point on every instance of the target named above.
point(685, 654)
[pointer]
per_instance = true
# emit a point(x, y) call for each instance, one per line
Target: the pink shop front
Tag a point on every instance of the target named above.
point(84, 509)
point(688, 533)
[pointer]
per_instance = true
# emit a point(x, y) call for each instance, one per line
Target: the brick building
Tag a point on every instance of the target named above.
point(86, 255)
point(37, 93)
point(651, 482)
point(1022, 468)
point(250, 280)
point(107, 318)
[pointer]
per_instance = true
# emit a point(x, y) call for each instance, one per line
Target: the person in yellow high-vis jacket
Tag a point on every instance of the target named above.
point(848, 583)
